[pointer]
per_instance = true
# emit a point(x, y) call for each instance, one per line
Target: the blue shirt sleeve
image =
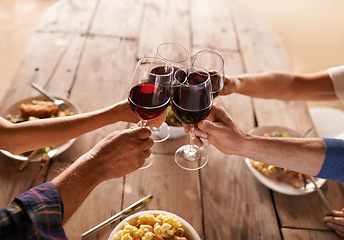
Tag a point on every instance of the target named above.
point(333, 166)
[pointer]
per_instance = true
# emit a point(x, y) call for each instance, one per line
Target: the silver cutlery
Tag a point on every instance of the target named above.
point(58, 102)
point(322, 196)
point(129, 210)
point(45, 159)
point(27, 161)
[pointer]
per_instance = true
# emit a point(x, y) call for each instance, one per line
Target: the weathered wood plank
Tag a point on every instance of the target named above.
point(8, 174)
point(211, 25)
point(301, 234)
point(118, 18)
point(261, 49)
point(295, 211)
point(61, 51)
point(163, 21)
point(73, 16)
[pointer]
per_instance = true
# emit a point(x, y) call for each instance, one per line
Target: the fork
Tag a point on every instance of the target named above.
point(58, 102)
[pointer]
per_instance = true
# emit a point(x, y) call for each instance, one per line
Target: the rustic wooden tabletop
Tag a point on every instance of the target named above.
point(86, 51)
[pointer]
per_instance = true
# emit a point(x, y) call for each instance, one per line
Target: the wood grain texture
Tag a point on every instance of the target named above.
point(300, 234)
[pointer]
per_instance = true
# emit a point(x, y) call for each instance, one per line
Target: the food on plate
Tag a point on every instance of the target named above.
point(38, 109)
point(171, 119)
point(295, 179)
point(152, 226)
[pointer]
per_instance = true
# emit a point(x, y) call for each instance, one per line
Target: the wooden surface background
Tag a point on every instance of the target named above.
point(86, 51)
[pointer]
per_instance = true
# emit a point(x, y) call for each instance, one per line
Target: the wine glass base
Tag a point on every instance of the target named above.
point(148, 162)
point(160, 134)
point(188, 160)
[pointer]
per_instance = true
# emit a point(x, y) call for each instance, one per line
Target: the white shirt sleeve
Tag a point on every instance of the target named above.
point(337, 76)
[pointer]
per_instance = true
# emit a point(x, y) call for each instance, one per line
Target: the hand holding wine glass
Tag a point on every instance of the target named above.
point(213, 62)
point(191, 102)
point(149, 95)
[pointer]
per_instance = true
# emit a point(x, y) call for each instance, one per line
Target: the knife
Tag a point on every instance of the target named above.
point(322, 196)
point(129, 210)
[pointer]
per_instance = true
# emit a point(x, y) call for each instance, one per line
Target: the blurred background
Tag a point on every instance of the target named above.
point(312, 32)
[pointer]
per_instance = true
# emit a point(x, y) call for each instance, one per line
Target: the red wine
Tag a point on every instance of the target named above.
point(192, 102)
point(216, 83)
point(161, 75)
point(190, 117)
point(148, 101)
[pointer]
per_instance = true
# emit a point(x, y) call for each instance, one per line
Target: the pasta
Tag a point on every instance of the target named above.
point(151, 227)
point(295, 179)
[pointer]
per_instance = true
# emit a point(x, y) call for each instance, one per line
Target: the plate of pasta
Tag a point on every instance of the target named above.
point(154, 224)
point(34, 108)
point(276, 178)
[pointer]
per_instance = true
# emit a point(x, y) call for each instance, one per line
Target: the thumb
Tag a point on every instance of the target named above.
point(208, 127)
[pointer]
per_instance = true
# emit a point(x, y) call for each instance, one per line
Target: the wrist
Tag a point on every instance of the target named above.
point(121, 111)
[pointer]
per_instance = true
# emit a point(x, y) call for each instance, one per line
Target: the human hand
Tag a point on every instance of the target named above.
point(230, 85)
point(220, 131)
point(336, 222)
point(120, 153)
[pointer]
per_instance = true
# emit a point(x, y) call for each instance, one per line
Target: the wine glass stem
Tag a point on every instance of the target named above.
point(192, 150)
point(143, 123)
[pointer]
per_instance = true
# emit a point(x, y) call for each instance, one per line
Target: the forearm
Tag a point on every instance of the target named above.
point(287, 86)
point(21, 137)
point(75, 184)
point(302, 155)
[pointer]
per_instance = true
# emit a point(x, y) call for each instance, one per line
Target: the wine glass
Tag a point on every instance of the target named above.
point(213, 62)
point(149, 95)
point(178, 56)
point(174, 53)
point(191, 102)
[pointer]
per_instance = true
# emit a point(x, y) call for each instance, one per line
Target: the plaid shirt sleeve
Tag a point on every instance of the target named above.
point(35, 214)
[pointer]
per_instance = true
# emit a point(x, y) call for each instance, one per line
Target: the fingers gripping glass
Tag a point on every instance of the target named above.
point(191, 102)
point(149, 95)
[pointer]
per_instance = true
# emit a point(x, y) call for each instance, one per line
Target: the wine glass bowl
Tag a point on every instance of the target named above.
point(213, 62)
point(191, 102)
point(174, 53)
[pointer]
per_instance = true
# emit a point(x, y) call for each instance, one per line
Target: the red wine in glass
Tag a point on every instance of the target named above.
point(191, 104)
point(148, 101)
point(213, 62)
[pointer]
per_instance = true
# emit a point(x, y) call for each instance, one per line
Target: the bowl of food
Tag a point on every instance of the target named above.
point(34, 108)
point(176, 127)
point(277, 178)
point(154, 224)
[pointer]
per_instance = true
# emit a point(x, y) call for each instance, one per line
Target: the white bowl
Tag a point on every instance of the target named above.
point(190, 233)
point(14, 110)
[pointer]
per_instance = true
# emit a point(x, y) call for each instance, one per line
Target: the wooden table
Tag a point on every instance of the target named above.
point(87, 52)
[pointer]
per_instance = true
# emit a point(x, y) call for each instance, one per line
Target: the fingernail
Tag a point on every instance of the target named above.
point(204, 135)
point(201, 125)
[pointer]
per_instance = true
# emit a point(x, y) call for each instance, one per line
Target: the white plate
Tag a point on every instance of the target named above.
point(272, 183)
point(190, 233)
point(14, 110)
